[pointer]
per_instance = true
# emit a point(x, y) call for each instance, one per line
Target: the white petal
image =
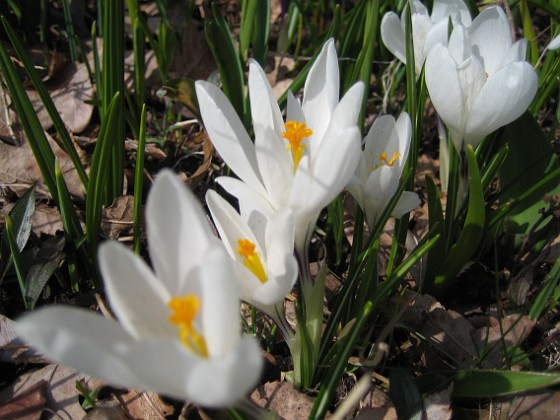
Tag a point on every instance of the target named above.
point(249, 199)
point(333, 167)
point(378, 191)
point(417, 8)
point(393, 36)
point(178, 231)
point(517, 52)
point(278, 286)
point(212, 382)
point(473, 78)
point(436, 35)
point(421, 26)
point(554, 44)
point(264, 108)
point(377, 139)
point(228, 134)
point(403, 127)
point(321, 93)
point(503, 98)
point(137, 297)
point(460, 44)
point(81, 339)
point(454, 8)
point(491, 38)
point(407, 201)
point(293, 109)
point(281, 264)
point(444, 87)
point(164, 365)
point(228, 223)
point(221, 382)
point(280, 232)
point(220, 303)
point(347, 110)
point(274, 160)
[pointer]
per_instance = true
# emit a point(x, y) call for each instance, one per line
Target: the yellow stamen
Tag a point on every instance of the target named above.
point(383, 157)
point(295, 133)
point(251, 259)
point(184, 310)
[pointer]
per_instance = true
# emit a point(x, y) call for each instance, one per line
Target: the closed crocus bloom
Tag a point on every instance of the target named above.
point(427, 30)
point(480, 81)
point(178, 330)
point(377, 178)
point(263, 250)
point(301, 164)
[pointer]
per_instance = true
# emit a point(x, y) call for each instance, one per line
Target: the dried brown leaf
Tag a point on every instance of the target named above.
point(27, 405)
point(146, 405)
point(376, 405)
point(438, 405)
point(60, 383)
point(14, 350)
point(541, 405)
point(19, 170)
point(117, 218)
point(70, 91)
point(284, 399)
point(452, 335)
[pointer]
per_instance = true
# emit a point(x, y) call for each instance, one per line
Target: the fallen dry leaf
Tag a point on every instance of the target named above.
point(60, 386)
point(438, 405)
point(28, 405)
point(449, 333)
point(376, 405)
point(146, 405)
point(541, 405)
point(14, 350)
point(70, 91)
point(19, 170)
point(117, 218)
point(284, 399)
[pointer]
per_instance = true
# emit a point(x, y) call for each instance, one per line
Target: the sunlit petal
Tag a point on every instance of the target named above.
point(502, 99)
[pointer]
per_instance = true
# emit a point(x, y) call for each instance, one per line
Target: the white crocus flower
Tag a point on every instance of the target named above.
point(302, 164)
point(427, 30)
point(377, 178)
point(481, 81)
point(263, 249)
point(178, 331)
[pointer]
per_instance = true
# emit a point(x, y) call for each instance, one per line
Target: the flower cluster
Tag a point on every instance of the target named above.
point(179, 329)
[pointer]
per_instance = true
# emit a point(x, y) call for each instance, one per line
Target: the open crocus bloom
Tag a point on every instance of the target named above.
point(427, 30)
point(179, 327)
point(480, 81)
point(263, 250)
point(377, 178)
point(302, 164)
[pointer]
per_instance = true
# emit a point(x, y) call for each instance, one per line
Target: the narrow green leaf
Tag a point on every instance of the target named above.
point(31, 126)
point(113, 83)
point(45, 263)
point(404, 394)
point(487, 383)
point(221, 45)
point(99, 172)
point(436, 225)
point(20, 216)
point(461, 252)
point(299, 80)
point(139, 181)
point(16, 258)
point(47, 102)
point(545, 298)
point(528, 167)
